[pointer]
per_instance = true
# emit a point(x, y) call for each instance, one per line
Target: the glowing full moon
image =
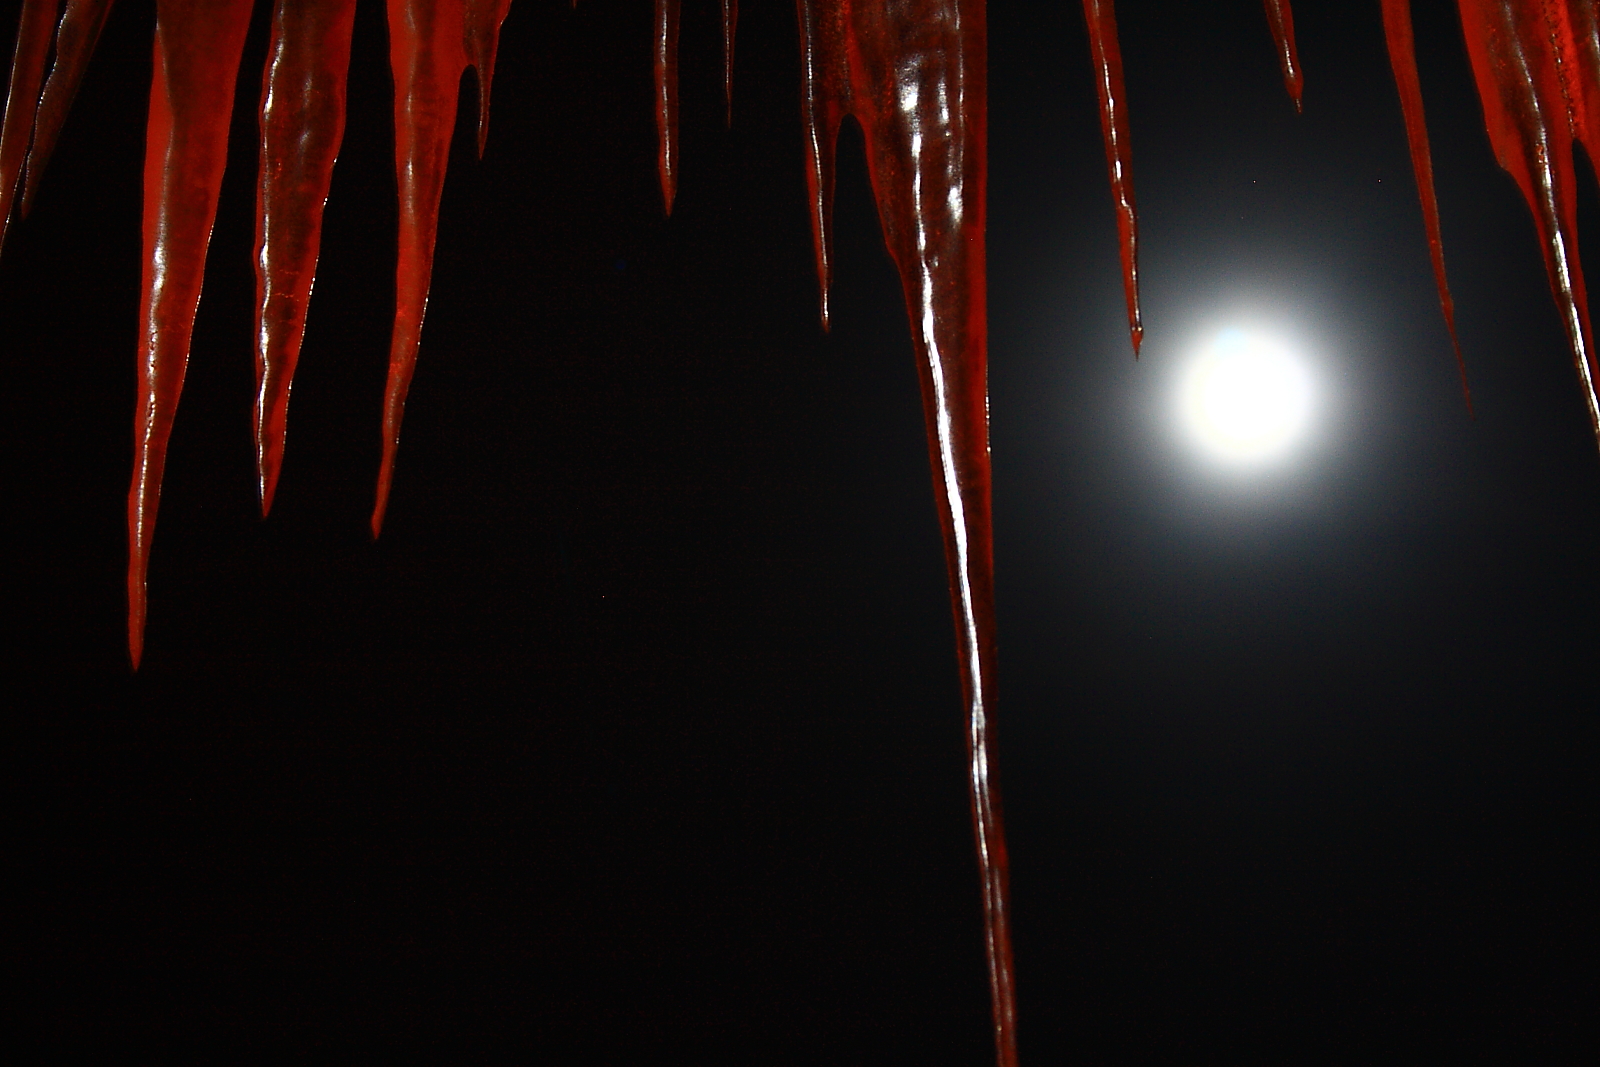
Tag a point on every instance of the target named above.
point(1246, 398)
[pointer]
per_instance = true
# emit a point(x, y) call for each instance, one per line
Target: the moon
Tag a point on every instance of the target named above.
point(1246, 398)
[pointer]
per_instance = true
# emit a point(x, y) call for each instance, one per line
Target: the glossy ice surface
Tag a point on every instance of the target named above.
point(1537, 65)
point(913, 76)
point(1101, 17)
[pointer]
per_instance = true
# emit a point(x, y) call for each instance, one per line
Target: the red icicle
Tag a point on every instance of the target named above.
point(1280, 16)
point(197, 49)
point(1537, 89)
point(666, 76)
point(76, 36)
point(730, 23)
point(1583, 75)
point(429, 42)
point(36, 28)
point(822, 109)
point(1403, 59)
point(913, 74)
point(302, 125)
point(1101, 17)
point(483, 43)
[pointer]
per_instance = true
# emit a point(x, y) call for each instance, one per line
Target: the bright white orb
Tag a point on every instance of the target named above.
point(1246, 398)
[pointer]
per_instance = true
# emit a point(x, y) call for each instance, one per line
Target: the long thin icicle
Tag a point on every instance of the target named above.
point(36, 28)
point(1101, 17)
point(666, 84)
point(302, 125)
point(197, 49)
point(1582, 74)
point(431, 44)
point(730, 26)
point(36, 105)
point(1403, 60)
point(76, 36)
point(482, 41)
point(1539, 89)
point(914, 76)
point(822, 109)
point(1281, 18)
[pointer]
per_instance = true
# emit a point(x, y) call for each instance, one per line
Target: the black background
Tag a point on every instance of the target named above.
point(636, 737)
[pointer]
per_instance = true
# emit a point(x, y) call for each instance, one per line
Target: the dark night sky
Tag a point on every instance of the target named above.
point(636, 738)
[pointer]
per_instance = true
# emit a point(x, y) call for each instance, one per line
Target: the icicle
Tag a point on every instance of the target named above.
point(483, 43)
point(429, 42)
point(1281, 18)
point(822, 110)
point(1538, 89)
point(1583, 76)
point(35, 29)
point(1402, 57)
point(76, 36)
point(1101, 17)
point(913, 75)
point(302, 125)
point(666, 74)
point(730, 23)
point(197, 49)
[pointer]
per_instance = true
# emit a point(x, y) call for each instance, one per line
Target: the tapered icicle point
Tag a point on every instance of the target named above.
point(666, 88)
point(820, 113)
point(1538, 89)
point(730, 26)
point(1101, 18)
point(197, 49)
point(914, 75)
point(76, 35)
point(431, 44)
point(302, 125)
point(484, 18)
point(35, 30)
point(1403, 60)
point(1280, 17)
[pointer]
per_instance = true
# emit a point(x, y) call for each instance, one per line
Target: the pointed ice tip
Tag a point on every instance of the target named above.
point(266, 484)
point(135, 635)
point(137, 606)
point(483, 114)
point(1136, 333)
point(381, 506)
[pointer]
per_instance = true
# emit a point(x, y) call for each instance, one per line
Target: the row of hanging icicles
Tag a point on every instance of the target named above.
point(911, 73)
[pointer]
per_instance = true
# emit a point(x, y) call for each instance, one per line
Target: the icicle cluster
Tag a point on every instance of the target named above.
point(911, 73)
point(196, 65)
